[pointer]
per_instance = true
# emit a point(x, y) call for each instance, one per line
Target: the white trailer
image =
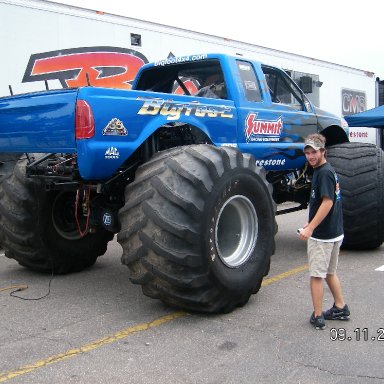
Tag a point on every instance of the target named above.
point(55, 45)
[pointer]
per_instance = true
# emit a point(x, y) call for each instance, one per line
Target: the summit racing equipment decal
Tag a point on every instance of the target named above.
point(262, 130)
point(173, 110)
point(105, 67)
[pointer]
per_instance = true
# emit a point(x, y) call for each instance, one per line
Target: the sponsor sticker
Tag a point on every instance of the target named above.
point(107, 219)
point(232, 145)
point(270, 162)
point(112, 153)
point(262, 130)
point(115, 128)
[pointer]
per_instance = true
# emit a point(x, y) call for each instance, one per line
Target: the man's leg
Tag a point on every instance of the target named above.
point(339, 310)
point(332, 279)
point(316, 284)
point(335, 287)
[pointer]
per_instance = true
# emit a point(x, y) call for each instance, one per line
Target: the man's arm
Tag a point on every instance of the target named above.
point(321, 214)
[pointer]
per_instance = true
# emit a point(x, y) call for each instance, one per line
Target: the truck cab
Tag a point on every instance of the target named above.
point(271, 112)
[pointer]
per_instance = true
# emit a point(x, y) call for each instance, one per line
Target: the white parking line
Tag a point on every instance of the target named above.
point(380, 269)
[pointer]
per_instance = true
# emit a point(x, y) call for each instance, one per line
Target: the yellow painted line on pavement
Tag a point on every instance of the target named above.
point(91, 346)
point(120, 335)
point(284, 275)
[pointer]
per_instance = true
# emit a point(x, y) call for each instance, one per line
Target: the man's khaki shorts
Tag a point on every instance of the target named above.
point(323, 257)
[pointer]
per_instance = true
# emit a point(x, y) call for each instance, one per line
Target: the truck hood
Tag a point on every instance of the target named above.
point(326, 119)
point(322, 114)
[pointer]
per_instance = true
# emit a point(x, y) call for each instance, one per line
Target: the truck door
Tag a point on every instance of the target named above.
point(274, 118)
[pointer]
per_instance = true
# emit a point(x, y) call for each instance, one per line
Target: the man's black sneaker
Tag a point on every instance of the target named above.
point(318, 321)
point(336, 313)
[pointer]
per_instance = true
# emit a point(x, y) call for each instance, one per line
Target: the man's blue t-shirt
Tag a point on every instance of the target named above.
point(325, 184)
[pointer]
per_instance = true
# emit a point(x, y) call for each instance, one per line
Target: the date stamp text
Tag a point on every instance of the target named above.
point(358, 334)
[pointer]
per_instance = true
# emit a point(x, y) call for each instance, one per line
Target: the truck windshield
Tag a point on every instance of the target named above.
point(282, 88)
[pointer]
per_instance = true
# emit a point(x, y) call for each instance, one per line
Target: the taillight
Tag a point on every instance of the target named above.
point(85, 124)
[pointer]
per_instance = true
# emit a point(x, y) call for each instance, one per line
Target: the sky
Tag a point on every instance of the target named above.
point(345, 32)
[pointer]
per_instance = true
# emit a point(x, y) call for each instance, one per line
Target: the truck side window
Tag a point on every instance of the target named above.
point(249, 81)
point(282, 88)
point(205, 76)
point(203, 79)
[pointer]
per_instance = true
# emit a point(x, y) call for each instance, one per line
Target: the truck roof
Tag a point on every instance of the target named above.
point(191, 58)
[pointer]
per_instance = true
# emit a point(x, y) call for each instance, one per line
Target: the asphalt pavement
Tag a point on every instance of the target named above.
point(97, 327)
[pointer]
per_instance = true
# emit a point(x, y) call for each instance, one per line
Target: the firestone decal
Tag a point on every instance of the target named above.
point(262, 130)
point(270, 162)
point(115, 128)
point(173, 110)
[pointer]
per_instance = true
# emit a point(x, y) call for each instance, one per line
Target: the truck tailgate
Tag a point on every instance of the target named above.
point(38, 122)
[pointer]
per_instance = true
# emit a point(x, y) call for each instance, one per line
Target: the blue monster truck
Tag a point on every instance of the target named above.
point(186, 168)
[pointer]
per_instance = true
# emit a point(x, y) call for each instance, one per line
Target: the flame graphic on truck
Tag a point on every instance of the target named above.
point(109, 67)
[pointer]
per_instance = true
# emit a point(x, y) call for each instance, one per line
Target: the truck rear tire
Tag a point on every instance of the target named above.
point(7, 163)
point(29, 218)
point(360, 168)
point(198, 228)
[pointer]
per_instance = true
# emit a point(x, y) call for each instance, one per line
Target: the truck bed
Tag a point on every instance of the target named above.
point(38, 122)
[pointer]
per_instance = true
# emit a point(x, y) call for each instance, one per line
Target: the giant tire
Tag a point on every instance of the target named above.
point(360, 168)
point(198, 228)
point(7, 163)
point(29, 218)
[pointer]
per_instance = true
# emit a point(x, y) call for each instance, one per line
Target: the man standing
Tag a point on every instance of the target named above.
point(324, 232)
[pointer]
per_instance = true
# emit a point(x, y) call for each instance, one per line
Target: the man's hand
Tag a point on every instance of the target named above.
point(306, 232)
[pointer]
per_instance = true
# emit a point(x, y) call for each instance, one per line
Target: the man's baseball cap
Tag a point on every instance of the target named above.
point(315, 144)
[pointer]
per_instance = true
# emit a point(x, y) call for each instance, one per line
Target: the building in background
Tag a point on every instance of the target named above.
point(50, 45)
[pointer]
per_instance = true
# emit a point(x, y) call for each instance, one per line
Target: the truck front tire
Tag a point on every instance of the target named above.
point(360, 168)
point(198, 228)
point(30, 234)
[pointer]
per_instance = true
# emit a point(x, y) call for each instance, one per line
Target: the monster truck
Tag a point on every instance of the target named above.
point(187, 168)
